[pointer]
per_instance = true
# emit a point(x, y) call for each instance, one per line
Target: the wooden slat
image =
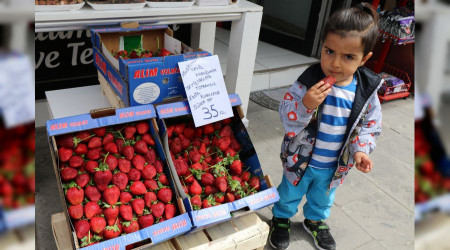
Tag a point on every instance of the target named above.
point(191, 241)
point(60, 232)
point(166, 245)
point(113, 99)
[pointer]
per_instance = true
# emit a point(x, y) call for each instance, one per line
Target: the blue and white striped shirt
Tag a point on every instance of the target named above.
point(330, 138)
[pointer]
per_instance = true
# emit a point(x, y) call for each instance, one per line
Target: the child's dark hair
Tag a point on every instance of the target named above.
point(361, 18)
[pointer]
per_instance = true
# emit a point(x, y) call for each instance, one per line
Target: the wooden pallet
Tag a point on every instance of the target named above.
point(245, 232)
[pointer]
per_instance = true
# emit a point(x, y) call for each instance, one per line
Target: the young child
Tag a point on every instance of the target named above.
point(329, 128)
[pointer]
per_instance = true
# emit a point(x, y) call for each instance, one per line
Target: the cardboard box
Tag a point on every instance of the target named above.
point(145, 80)
point(176, 112)
point(106, 117)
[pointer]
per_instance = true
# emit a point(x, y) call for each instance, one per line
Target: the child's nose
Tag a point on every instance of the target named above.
point(336, 62)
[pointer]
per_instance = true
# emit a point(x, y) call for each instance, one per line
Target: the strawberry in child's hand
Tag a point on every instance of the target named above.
point(138, 206)
point(97, 224)
point(91, 209)
point(82, 228)
point(126, 212)
point(329, 80)
point(111, 195)
point(165, 195)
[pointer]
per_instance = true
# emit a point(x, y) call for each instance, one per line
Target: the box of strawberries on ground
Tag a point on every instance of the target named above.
point(141, 62)
point(113, 179)
point(215, 167)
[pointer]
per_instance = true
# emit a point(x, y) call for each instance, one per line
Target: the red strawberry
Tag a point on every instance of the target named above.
point(202, 149)
point(158, 166)
point(181, 168)
point(217, 125)
point(185, 142)
point(95, 142)
point(194, 155)
point(208, 129)
point(92, 193)
point(65, 154)
point(219, 197)
point(329, 80)
point(195, 188)
point(157, 209)
point(236, 167)
point(149, 172)
point(67, 141)
point(111, 161)
point(134, 175)
point(81, 149)
point(124, 165)
point(128, 152)
point(112, 232)
point(151, 184)
point(145, 220)
point(91, 209)
point(175, 146)
point(150, 156)
point(76, 161)
point(120, 144)
point(178, 128)
point(83, 136)
point(206, 203)
point(227, 120)
point(229, 197)
point(189, 179)
point(149, 198)
point(255, 183)
point(223, 143)
point(111, 214)
point(82, 228)
point(142, 127)
point(125, 197)
point(90, 166)
point(111, 195)
point(83, 179)
point(140, 147)
point(120, 180)
point(210, 190)
point(196, 202)
point(163, 179)
point(196, 142)
point(169, 211)
point(68, 174)
point(97, 224)
point(129, 131)
point(245, 176)
point(126, 212)
point(221, 183)
point(207, 179)
point(93, 154)
point(234, 144)
point(138, 206)
point(185, 189)
point(165, 195)
point(138, 162)
point(102, 177)
point(130, 227)
point(226, 131)
point(107, 139)
point(76, 211)
point(198, 132)
point(99, 131)
point(148, 139)
point(230, 152)
point(111, 147)
point(75, 195)
point(138, 188)
point(170, 131)
point(189, 132)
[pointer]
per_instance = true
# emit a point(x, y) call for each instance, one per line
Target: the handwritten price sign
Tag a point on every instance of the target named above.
point(205, 90)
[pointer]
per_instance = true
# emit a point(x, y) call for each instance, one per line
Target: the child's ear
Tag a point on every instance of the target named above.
point(367, 57)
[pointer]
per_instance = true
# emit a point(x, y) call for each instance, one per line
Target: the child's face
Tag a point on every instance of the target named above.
point(341, 57)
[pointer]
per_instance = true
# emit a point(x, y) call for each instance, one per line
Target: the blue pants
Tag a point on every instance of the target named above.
point(314, 184)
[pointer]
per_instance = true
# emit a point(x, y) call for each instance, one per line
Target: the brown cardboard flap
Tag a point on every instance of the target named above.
point(240, 112)
point(129, 25)
point(268, 181)
point(103, 112)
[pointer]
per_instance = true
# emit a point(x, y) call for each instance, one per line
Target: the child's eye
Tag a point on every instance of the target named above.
point(329, 51)
point(349, 57)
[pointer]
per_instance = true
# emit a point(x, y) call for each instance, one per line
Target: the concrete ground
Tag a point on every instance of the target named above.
point(371, 211)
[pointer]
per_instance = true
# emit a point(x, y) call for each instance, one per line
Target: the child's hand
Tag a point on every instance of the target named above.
point(316, 94)
point(362, 162)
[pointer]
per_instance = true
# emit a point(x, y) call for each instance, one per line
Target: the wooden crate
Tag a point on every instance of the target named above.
point(112, 97)
point(245, 232)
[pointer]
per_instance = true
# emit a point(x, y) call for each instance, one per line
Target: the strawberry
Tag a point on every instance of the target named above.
point(92, 193)
point(95, 142)
point(140, 147)
point(81, 149)
point(111, 147)
point(221, 184)
point(120, 145)
point(217, 125)
point(97, 224)
point(207, 179)
point(227, 120)
point(170, 131)
point(138, 188)
point(223, 143)
point(185, 189)
point(67, 141)
point(151, 184)
point(129, 131)
point(178, 128)
point(206, 203)
point(124, 165)
point(234, 144)
point(125, 197)
point(138, 162)
point(109, 137)
point(157, 209)
point(111, 195)
point(149, 198)
point(134, 175)
point(169, 211)
point(111, 214)
point(91, 209)
point(126, 212)
point(93, 154)
point(195, 188)
point(210, 190)
point(76, 211)
point(128, 152)
point(68, 174)
point(189, 179)
point(130, 227)
point(226, 131)
point(163, 179)
point(165, 195)
point(189, 132)
point(150, 156)
point(145, 220)
point(65, 154)
point(75, 195)
point(185, 142)
point(148, 139)
point(230, 152)
point(149, 172)
point(181, 168)
point(158, 166)
point(202, 148)
point(255, 183)
point(194, 155)
point(329, 80)
point(81, 228)
point(198, 132)
point(90, 166)
point(175, 146)
point(76, 161)
point(245, 176)
point(120, 180)
point(229, 197)
point(138, 206)
point(236, 167)
point(196, 142)
point(208, 129)
point(99, 131)
point(196, 202)
point(83, 179)
point(112, 232)
point(102, 177)
point(83, 136)
point(111, 161)
point(142, 127)
point(219, 197)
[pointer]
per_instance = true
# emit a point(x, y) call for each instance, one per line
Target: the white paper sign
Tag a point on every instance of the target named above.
point(205, 90)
